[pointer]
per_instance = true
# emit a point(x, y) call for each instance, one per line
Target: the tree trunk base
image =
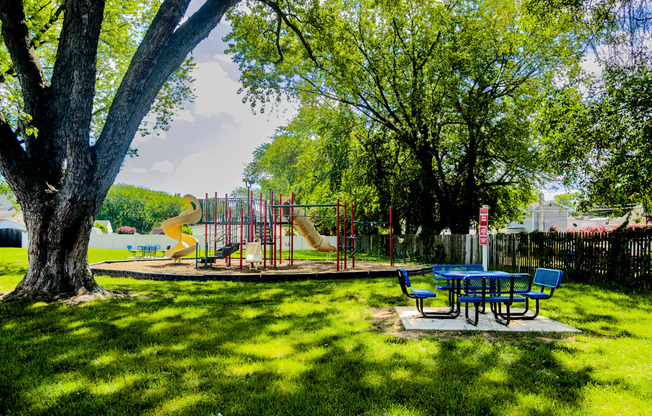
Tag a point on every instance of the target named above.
point(82, 295)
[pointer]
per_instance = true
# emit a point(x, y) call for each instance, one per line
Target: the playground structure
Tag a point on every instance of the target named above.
point(265, 227)
point(172, 228)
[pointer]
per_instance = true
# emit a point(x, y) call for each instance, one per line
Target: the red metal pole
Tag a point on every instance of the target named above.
point(291, 230)
point(215, 225)
point(344, 232)
point(206, 210)
point(251, 218)
point(280, 234)
point(227, 239)
point(275, 232)
point(260, 205)
point(337, 214)
point(227, 223)
point(229, 231)
point(352, 240)
point(241, 232)
point(264, 235)
point(391, 238)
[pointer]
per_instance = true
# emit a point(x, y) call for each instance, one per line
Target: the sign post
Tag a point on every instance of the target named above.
point(484, 235)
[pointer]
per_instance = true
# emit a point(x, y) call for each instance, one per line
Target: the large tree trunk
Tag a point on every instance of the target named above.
point(59, 230)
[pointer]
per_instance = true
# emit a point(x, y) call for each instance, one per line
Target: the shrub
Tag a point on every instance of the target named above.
point(101, 227)
point(125, 229)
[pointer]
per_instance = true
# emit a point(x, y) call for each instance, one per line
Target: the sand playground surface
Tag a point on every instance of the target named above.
point(187, 268)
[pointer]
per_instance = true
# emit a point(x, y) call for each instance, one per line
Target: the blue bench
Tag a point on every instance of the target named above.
point(413, 293)
point(493, 288)
point(420, 294)
point(548, 280)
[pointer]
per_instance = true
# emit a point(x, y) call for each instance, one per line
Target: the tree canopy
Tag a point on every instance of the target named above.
point(122, 30)
point(442, 93)
point(598, 127)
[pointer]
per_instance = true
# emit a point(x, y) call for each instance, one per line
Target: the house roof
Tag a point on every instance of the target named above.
point(550, 204)
point(15, 222)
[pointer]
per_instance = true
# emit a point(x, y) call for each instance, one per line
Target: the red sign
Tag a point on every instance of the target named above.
point(484, 217)
point(484, 224)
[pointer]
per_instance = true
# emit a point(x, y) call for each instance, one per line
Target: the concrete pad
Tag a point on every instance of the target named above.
point(412, 320)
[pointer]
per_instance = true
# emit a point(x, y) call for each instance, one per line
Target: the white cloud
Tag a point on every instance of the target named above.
point(184, 115)
point(211, 140)
point(221, 57)
point(163, 166)
point(216, 92)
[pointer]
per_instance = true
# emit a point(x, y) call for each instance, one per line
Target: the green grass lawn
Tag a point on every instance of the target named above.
point(309, 348)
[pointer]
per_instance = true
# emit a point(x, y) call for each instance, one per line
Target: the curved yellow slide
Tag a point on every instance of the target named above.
point(307, 230)
point(172, 228)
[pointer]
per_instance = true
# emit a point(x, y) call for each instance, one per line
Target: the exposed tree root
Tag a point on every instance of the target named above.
point(81, 296)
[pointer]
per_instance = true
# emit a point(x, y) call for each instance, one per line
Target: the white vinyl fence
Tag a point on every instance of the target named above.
point(120, 241)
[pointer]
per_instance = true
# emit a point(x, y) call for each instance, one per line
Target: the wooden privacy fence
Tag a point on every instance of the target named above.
point(620, 257)
point(10, 237)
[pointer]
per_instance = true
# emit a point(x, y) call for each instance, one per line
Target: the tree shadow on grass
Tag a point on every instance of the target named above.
point(237, 349)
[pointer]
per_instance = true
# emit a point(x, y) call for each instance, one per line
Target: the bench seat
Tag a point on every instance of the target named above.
point(491, 299)
point(533, 294)
point(548, 280)
point(422, 293)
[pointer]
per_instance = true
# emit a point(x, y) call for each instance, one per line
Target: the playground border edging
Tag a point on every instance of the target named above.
point(253, 278)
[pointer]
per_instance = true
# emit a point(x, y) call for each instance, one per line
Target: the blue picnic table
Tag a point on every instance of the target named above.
point(148, 249)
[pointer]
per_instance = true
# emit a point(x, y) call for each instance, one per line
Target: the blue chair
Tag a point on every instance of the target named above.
point(164, 250)
point(418, 294)
point(547, 280)
point(131, 249)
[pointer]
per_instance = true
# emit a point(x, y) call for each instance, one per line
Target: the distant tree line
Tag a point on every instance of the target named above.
point(141, 208)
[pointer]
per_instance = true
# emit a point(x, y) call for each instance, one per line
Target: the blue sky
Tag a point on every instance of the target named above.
point(211, 140)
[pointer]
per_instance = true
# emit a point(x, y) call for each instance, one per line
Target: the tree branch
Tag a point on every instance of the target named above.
point(14, 163)
point(277, 9)
point(162, 51)
point(21, 50)
point(278, 41)
point(73, 80)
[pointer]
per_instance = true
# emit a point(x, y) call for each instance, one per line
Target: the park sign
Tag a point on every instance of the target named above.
point(484, 225)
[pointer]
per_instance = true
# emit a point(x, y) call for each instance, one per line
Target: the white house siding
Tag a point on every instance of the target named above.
point(543, 217)
point(554, 215)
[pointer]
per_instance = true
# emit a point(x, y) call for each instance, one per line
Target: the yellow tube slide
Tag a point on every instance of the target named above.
point(307, 229)
point(172, 228)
